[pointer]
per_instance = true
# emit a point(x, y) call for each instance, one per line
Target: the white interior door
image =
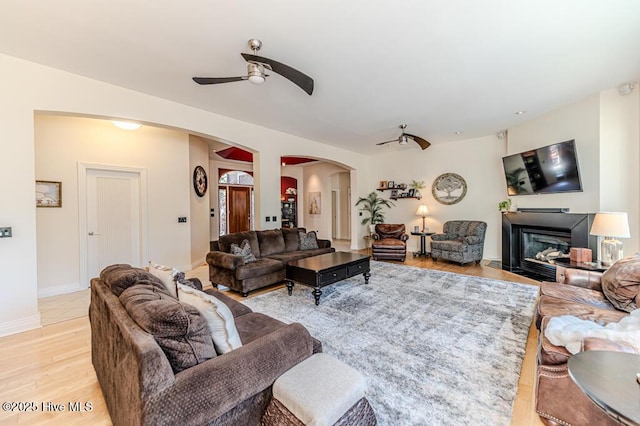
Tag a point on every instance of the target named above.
point(113, 233)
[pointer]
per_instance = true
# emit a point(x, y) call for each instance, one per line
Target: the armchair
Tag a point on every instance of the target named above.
point(460, 241)
point(389, 242)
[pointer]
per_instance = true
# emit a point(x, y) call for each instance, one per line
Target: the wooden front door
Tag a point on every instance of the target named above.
point(239, 204)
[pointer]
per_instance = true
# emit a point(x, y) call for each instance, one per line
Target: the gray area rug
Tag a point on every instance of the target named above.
point(436, 348)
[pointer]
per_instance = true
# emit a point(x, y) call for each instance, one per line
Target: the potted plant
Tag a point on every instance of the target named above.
point(373, 204)
point(417, 185)
point(504, 206)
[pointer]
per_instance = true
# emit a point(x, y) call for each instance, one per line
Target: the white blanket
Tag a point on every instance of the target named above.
point(568, 331)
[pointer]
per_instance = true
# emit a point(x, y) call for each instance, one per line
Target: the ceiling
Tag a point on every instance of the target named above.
point(439, 66)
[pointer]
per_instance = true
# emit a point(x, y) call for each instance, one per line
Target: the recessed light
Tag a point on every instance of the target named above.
point(520, 112)
point(457, 132)
point(126, 125)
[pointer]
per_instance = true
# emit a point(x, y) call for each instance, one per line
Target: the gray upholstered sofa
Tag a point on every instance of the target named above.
point(460, 241)
point(138, 376)
point(272, 248)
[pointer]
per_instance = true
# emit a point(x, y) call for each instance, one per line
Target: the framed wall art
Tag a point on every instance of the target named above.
point(315, 202)
point(449, 188)
point(48, 193)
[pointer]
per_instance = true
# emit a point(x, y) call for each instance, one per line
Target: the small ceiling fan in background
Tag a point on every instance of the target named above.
point(405, 137)
point(256, 71)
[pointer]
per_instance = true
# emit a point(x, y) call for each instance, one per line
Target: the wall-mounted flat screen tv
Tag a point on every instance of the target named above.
point(547, 170)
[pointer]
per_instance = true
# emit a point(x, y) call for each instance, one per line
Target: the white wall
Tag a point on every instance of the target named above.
point(579, 121)
point(317, 178)
point(63, 142)
point(198, 220)
point(620, 158)
point(477, 160)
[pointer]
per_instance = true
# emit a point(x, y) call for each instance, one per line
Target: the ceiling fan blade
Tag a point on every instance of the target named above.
point(215, 80)
point(424, 144)
point(301, 80)
point(384, 143)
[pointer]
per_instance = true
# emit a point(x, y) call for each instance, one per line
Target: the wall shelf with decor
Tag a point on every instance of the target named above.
point(397, 190)
point(390, 185)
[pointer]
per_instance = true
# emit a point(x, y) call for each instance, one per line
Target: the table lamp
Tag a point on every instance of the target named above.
point(422, 211)
point(610, 225)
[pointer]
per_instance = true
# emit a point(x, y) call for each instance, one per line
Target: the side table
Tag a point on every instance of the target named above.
point(609, 380)
point(587, 266)
point(423, 243)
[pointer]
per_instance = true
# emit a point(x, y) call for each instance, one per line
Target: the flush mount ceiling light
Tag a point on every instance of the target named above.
point(520, 112)
point(126, 125)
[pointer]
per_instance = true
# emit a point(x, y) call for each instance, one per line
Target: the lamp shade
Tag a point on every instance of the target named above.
point(422, 210)
point(611, 224)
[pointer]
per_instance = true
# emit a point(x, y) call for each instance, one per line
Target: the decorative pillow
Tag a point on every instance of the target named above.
point(243, 250)
point(291, 238)
point(308, 241)
point(271, 242)
point(178, 327)
point(218, 316)
point(165, 274)
point(180, 278)
point(621, 283)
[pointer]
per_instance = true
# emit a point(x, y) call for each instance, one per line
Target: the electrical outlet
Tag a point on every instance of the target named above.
point(274, 218)
point(267, 219)
point(182, 219)
point(5, 232)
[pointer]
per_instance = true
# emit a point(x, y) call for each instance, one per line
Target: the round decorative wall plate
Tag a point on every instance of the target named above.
point(449, 188)
point(200, 181)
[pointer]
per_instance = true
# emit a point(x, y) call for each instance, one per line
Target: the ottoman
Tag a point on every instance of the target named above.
point(320, 391)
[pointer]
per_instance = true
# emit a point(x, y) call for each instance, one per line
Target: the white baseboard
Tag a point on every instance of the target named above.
point(198, 263)
point(20, 325)
point(60, 289)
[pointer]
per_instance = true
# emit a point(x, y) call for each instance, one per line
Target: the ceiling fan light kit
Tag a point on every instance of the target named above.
point(255, 71)
point(404, 138)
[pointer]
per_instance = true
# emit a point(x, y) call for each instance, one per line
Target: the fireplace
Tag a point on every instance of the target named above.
point(531, 241)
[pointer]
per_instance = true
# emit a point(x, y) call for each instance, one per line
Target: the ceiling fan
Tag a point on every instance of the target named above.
point(256, 71)
point(405, 137)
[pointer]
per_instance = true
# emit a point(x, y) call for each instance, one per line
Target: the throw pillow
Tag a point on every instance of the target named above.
point(308, 241)
point(243, 250)
point(178, 328)
point(621, 283)
point(218, 316)
point(180, 278)
point(165, 274)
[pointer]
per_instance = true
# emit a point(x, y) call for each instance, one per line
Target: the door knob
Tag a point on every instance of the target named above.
point(93, 233)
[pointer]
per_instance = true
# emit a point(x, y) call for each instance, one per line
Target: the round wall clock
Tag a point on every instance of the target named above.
point(449, 188)
point(200, 181)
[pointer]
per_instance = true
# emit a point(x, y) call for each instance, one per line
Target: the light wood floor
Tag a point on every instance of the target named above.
point(53, 364)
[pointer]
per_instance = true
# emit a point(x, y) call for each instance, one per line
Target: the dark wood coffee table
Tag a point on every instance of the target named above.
point(325, 269)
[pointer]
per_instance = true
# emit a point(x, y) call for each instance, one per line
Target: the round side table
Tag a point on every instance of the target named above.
point(423, 243)
point(609, 379)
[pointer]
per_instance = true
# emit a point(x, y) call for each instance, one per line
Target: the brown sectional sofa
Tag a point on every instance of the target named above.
point(138, 380)
point(559, 401)
point(273, 249)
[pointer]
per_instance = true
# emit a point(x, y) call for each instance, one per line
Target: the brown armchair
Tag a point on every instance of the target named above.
point(389, 242)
